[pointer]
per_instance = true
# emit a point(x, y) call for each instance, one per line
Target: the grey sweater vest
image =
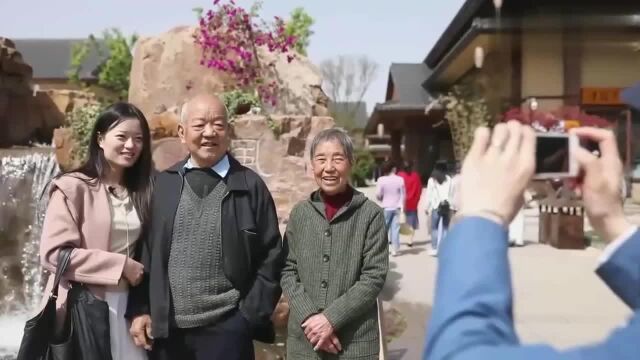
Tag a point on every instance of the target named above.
point(200, 291)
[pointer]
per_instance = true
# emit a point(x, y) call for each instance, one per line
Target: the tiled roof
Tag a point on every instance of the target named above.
point(407, 82)
point(51, 58)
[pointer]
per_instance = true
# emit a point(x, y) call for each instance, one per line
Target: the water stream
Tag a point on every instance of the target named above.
point(24, 175)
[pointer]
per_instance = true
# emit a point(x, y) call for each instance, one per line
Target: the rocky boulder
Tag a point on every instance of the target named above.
point(166, 71)
point(63, 144)
point(164, 124)
point(166, 152)
point(18, 116)
point(30, 116)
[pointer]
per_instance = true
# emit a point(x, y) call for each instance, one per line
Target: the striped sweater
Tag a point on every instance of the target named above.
point(337, 268)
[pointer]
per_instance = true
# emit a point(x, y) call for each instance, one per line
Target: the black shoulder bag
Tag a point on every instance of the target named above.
point(86, 327)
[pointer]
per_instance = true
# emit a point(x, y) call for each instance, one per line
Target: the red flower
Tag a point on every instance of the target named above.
point(229, 37)
point(551, 119)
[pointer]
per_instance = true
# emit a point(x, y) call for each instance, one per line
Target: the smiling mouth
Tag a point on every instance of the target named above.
point(330, 179)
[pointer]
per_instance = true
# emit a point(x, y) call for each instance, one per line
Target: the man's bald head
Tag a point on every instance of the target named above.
point(201, 104)
point(204, 129)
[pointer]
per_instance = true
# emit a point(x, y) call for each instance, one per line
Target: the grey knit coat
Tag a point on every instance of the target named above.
point(337, 268)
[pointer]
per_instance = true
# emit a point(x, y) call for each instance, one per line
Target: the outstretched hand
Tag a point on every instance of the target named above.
point(601, 183)
point(496, 171)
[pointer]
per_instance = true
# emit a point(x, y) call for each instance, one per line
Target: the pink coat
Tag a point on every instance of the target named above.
point(79, 215)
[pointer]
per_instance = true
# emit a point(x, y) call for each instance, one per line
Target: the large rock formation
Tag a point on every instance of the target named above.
point(166, 71)
point(28, 116)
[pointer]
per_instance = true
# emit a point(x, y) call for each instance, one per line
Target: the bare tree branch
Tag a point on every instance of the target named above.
point(347, 80)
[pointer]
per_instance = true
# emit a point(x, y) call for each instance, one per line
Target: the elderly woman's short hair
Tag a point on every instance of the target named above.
point(334, 134)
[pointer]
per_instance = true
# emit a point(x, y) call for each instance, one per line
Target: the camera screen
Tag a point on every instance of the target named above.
point(552, 155)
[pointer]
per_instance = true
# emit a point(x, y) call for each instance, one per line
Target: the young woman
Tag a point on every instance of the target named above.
point(390, 192)
point(439, 198)
point(100, 210)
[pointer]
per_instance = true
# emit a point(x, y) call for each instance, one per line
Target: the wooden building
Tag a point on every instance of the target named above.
point(560, 53)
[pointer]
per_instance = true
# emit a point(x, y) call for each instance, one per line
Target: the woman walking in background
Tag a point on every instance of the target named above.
point(100, 210)
point(439, 198)
point(337, 261)
point(413, 191)
point(391, 192)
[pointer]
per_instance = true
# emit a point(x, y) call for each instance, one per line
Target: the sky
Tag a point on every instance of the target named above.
point(386, 31)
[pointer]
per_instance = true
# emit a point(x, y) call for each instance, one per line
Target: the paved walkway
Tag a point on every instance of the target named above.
point(558, 298)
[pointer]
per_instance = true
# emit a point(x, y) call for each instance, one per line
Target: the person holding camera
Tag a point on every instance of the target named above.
point(439, 198)
point(472, 315)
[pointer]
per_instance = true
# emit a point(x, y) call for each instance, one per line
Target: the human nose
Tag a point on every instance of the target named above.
point(329, 165)
point(209, 131)
point(130, 143)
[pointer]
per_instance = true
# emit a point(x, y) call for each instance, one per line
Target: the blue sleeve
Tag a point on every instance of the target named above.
point(472, 315)
point(621, 272)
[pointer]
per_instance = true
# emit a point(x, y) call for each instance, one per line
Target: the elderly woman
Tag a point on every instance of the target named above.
point(337, 261)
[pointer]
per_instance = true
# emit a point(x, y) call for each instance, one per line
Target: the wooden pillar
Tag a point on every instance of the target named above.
point(629, 155)
point(411, 145)
point(572, 64)
point(428, 153)
point(396, 145)
point(516, 68)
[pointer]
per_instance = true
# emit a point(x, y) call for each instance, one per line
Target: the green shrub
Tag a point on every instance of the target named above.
point(81, 121)
point(115, 53)
point(236, 98)
point(363, 167)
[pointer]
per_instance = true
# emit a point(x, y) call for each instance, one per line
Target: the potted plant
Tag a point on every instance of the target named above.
point(239, 102)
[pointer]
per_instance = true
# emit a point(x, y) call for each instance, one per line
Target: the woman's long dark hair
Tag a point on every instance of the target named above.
point(137, 178)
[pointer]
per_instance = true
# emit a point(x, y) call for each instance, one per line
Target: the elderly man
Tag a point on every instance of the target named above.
point(212, 253)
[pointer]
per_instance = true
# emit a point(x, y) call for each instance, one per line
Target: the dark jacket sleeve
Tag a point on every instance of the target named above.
point(138, 300)
point(263, 295)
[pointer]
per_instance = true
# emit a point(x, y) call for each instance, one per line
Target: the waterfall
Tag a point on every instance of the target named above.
point(24, 176)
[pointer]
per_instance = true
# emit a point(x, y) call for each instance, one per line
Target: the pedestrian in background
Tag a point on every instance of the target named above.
point(439, 197)
point(390, 191)
point(413, 191)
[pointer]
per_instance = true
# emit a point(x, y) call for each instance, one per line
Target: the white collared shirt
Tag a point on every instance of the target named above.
point(221, 167)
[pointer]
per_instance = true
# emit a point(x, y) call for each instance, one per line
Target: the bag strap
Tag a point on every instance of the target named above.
point(64, 257)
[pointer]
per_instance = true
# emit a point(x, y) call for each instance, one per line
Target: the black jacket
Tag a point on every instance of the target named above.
point(251, 247)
